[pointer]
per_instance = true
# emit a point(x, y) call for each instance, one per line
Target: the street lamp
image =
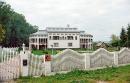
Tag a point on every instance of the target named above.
point(52, 49)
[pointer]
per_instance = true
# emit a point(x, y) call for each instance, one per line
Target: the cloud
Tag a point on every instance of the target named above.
point(99, 17)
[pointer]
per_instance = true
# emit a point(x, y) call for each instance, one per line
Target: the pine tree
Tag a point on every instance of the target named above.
point(123, 37)
point(128, 33)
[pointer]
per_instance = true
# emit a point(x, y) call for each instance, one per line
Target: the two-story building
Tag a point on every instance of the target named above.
point(59, 37)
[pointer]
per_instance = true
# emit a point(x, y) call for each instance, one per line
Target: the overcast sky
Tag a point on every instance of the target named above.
point(101, 18)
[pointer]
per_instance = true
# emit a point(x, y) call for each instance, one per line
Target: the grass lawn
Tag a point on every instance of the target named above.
point(42, 52)
point(108, 75)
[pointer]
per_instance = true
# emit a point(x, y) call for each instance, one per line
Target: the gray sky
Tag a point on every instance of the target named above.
point(101, 18)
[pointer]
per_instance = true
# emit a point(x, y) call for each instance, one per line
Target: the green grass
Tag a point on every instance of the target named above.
point(110, 75)
point(42, 52)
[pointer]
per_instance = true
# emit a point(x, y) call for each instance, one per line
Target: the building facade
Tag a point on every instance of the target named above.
point(53, 37)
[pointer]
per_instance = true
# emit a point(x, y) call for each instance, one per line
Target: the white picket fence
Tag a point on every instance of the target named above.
point(9, 64)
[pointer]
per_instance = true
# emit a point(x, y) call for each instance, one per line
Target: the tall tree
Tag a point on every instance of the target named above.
point(123, 37)
point(17, 29)
point(128, 33)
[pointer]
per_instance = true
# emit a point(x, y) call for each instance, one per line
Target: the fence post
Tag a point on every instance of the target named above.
point(87, 61)
point(116, 58)
point(24, 61)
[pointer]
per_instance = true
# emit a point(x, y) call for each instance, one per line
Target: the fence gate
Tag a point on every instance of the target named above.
point(9, 64)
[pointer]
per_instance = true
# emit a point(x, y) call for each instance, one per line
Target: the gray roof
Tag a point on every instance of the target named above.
point(40, 32)
point(86, 34)
point(61, 29)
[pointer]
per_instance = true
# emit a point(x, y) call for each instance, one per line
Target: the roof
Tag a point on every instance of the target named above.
point(40, 32)
point(101, 43)
point(82, 33)
point(61, 29)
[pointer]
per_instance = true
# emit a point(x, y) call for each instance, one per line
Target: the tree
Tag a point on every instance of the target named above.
point(128, 33)
point(115, 41)
point(16, 27)
point(123, 37)
point(2, 33)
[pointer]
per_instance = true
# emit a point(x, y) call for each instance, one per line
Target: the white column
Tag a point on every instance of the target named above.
point(24, 62)
point(38, 43)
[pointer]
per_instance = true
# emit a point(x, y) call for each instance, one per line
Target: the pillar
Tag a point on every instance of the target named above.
point(24, 62)
point(87, 61)
point(116, 58)
point(38, 43)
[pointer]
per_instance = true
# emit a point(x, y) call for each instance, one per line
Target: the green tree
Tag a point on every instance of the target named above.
point(16, 27)
point(115, 41)
point(2, 33)
point(128, 33)
point(123, 37)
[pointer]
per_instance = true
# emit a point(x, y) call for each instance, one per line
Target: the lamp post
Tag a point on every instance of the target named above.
point(52, 49)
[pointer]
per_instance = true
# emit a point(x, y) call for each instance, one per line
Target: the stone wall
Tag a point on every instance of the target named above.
point(69, 60)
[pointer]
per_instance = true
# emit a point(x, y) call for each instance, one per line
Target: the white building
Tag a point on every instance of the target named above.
point(56, 37)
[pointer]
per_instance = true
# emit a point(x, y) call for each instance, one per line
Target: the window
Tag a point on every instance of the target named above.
point(56, 37)
point(50, 37)
point(70, 37)
point(70, 44)
point(75, 37)
point(56, 44)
